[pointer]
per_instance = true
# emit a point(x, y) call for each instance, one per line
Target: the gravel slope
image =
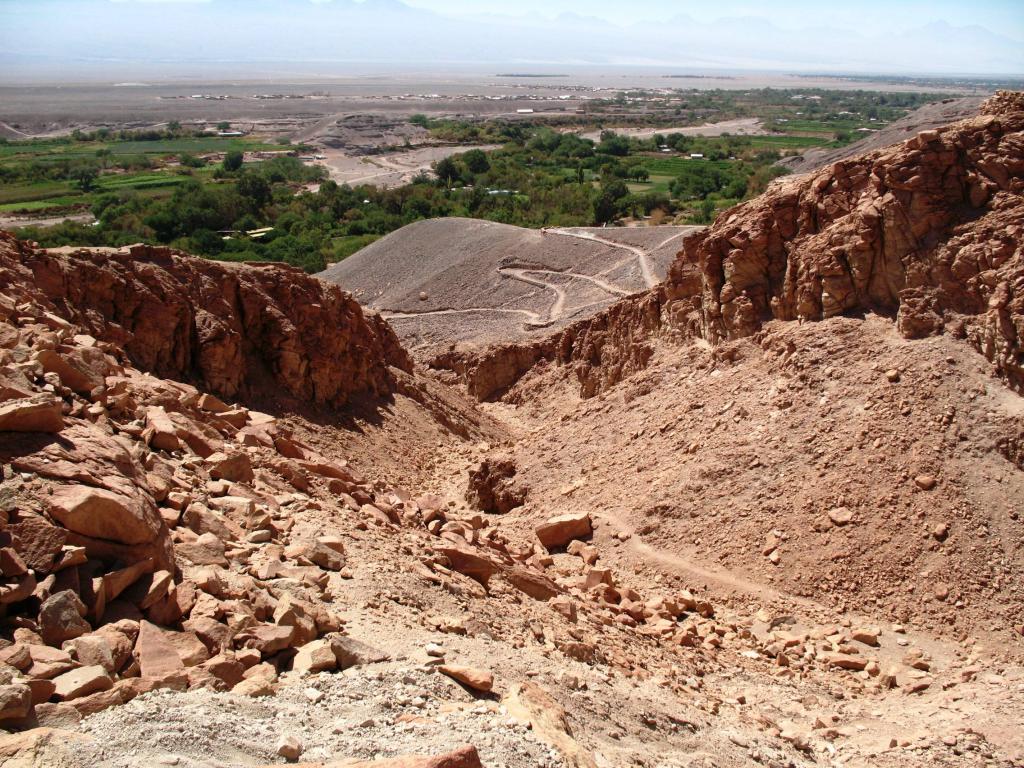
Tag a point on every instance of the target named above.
point(446, 281)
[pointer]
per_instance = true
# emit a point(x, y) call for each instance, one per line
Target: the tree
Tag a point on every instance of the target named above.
point(609, 204)
point(224, 125)
point(605, 208)
point(206, 242)
point(613, 144)
point(86, 178)
point(233, 160)
point(476, 161)
point(254, 189)
point(447, 171)
point(638, 173)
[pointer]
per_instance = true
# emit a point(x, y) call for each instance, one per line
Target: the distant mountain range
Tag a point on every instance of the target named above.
point(117, 36)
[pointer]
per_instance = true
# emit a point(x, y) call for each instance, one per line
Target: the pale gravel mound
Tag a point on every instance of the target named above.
point(925, 118)
point(448, 281)
point(356, 715)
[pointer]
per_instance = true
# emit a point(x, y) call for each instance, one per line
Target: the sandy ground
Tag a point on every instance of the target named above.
point(13, 222)
point(667, 517)
point(392, 169)
point(40, 108)
point(747, 126)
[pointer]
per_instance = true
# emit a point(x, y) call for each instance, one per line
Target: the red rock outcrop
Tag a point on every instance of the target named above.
point(928, 231)
point(128, 496)
point(238, 330)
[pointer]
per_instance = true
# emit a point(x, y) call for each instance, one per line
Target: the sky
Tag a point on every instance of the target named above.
point(873, 15)
point(66, 38)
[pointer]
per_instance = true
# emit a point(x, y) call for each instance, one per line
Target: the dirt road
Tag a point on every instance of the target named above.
point(14, 222)
point(746, 126)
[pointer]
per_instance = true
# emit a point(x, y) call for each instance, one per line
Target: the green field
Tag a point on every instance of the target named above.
point(657, 183)
point(56, 149)
point(673, 166)
point(40, 205)
point(788, 142)
point(53, 194)
point(61, 193)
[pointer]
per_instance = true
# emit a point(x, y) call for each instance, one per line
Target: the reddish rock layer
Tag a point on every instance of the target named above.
point(238, 330)
point(928, 231)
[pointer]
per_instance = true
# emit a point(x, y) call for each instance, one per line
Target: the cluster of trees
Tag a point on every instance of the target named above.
point(470, 131)
point(541, 178)
point(198, 215)
point(70, 168)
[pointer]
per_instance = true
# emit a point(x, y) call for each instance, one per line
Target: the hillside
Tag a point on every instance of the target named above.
point(767, 511)
point(851, 446)
point(924, 118)
point(454, 281)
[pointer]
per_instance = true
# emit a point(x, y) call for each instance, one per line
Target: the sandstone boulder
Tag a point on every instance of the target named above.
point(352, 653)
point(41, 413)
point(81, 682)
point(156, 654)
point(62, 617)
point(15, 701)
point(82, 369)
point(316, 656)
point(234, 466)
point(160, 432)
point(559, 531)
point(101, 514)
point(470, 562)
point(471, 677)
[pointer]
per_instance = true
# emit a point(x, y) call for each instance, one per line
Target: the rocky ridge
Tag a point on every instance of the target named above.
point(236, 330)
point(928, 232)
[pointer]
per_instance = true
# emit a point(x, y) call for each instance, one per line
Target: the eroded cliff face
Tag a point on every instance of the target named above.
point(601, 351)
point(239, 330)
point(928, 232)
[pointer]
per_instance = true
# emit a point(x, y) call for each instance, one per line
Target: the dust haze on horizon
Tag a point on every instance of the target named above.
point(144, 39)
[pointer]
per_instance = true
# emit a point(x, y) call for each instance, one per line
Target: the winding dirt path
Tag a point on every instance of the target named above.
point(534, 317)
point(557, 308)
point(534, 276)
point(524, 274)
point(641, 255)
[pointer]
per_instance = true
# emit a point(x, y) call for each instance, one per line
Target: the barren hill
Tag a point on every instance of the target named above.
point(446, 281)
point(766, 512)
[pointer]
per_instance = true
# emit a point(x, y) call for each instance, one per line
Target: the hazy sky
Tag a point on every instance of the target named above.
point(169, 36)
point(1006, 16)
